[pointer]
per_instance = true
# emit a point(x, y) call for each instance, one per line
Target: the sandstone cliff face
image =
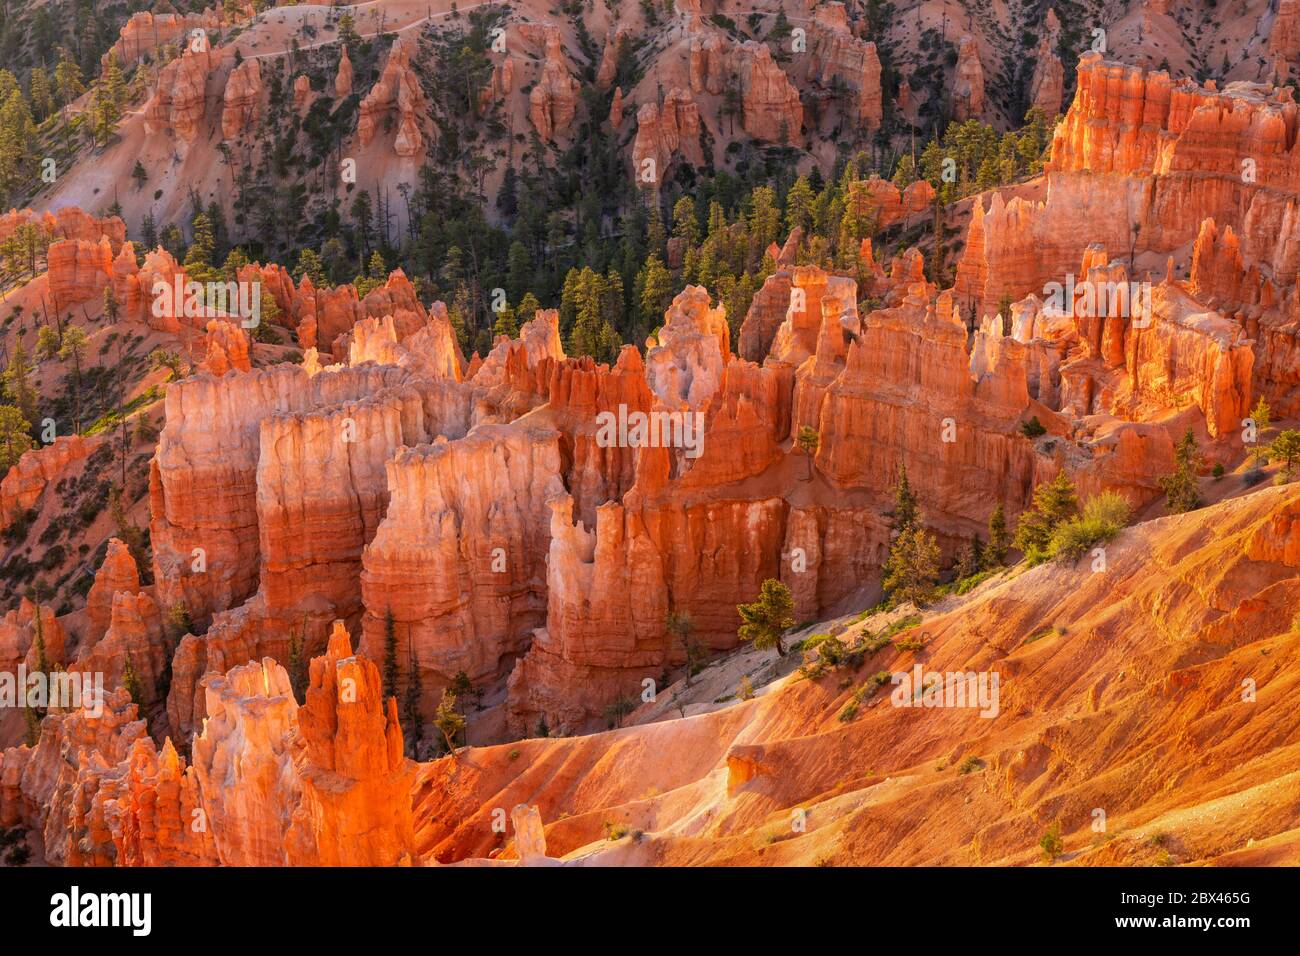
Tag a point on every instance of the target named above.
point(1047, 86)
point(343, 76)
point(27, 479)
point(179, 99)
point(301, 93)
point(242, 98)
point(68, 222)
point(662, 133)
point(245, 757)
point(355, 805)
point(837, 55)
point(203, 481)
point(459, 560)
point(771, 111)
point(553, 100)
point(78, 270)
point(117, 573)
point(968, 81)
point(142, 34)
point(708, 65)
point(397, 91)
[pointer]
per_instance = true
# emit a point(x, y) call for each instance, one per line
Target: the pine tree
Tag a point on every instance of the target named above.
point(14, 437)
point(1286, 449)
point(686, 224)
point(527, 309)
point(112, 310)
point(1262, 416)
point(32, 721)
point(680, 626)
point(656, 291)
point(506, 324)
point(298, 668)
point(905, 509)
point(412, 728)
point(995, 553)
point(913, 567)
point(309, 265)
point(971, 559)
point(1054, 503)
point(42, 99)
point(808, 441)
point(449, 721)
point(768, 618)
point(131, 681)
point(390, 654)
point(1182, 493)
point(798, 206)
point(67, 80)
point(73, 346)
point(198, 258)
point(18, 382)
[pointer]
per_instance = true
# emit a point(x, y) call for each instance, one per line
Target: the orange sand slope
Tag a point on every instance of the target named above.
point(1131, 706)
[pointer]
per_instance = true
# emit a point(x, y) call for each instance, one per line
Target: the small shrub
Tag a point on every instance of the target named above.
point(1039, 635)
point(1217, 471)
point(1051, 843)
point(745, 689)
point(615, 831)
point(970, 765)
point(1103, 518)
point(1033, 428)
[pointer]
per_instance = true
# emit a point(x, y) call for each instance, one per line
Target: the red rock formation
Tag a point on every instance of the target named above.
point(1047, 86)
point(227, 349)
point(460, 564)
point(145, 33)
point(244, 763)
point(355, 806)
point(179, 98)
point(203, 482)
point(663, 132)
point(771, 111)
point(553, 100)
point(18, 633)
point(27, 479)
point(69, 222)
point(838, 56)
point(242, 98)
point(708, 66)
point(117, 573)
point(397, 90)
point(1284, 38)
point(135, 634)
point(968, 81)
point(343, 77)
point(153, 810)
point(301, 93)
point(616, 108)
point(608, 68)
point(58, 778)
point(499, 85)
point(78, 270)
